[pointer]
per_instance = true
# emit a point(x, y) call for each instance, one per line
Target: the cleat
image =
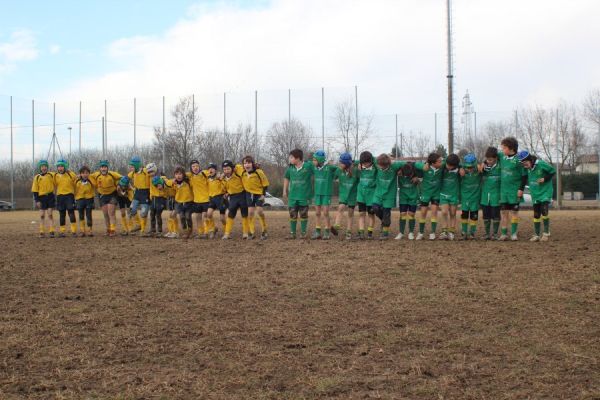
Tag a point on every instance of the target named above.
point(136, 228)
point(167, 235)
point(174, 235)
point(315, 236)
point(545, 237)
point(62, 235)
point(534, 238)
point(250, 237)
point(411, 236)
point(292, 236)
point(361, 236)
point(334, 230)
point(245, 237)
point(41, 235)
point(74, 234)
point(303, 235)
point(369, 235)
point(432, 236)
point(503, 238)
point(419, 236)
point(147, 234)
point(90, 234)
point(159, 234)
point(450, 236)
point(211, 235)
point(326, 236)
point(226, 237)
point(514, 237)
point(112, 233)
point(348, 235)
point(263, 236)
point(471, 236)
point(203, 236)
point(463, 236)
point(124, 233)
point(81, 234)
point(399, 236)
point(384, 237)
point(51, 234)
point(443, 236)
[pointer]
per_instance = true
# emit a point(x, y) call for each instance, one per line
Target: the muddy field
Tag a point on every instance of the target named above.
point(138, 318)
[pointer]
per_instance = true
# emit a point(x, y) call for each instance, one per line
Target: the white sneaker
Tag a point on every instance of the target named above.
point(399, 236)
point(442, 236)
point(514, 237)
point(534, 238)
point(545, 237)
point(226, 237)
point(450, 236)
point(411, 236)
point(432, 236)
point(503, 238)
point(419, 236)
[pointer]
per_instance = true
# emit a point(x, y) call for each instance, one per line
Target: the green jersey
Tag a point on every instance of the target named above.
point(470, 190)
point(300, 181)
point(387, 185)
point(348, 182)
point(324, 176)
point(450, 190)
point(432, 182)
point(409, 191)
point(490, 185)
point(541, 192)
point(511, 178)
point(367, 182)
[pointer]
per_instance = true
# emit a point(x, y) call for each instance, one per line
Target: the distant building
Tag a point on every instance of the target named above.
point(587, 163)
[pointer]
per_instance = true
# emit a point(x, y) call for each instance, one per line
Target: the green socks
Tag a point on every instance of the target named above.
point(487, 224)
point(303, 225)
point(546, 221)
point(293, 225)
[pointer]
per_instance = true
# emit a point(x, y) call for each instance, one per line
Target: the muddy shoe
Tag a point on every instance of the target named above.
point(334, 230)
point(226, 237)
point(514, 238)
point(534, 238)
point(411, 236)
point(41, 235)
point(250, 237)
point(62, 235)
point(316, 235)
point(124, 233)
point(419, 236)
point(503, 238)
point(370, 235)
point(443, 236)
point(211, 235)
point(348, 235)
point(384, 236)
point(361, 236)
point(264, 236)
point(136, 228)
point(303, 235)
point(545, 237)
point(291, 236)
point(399, 236)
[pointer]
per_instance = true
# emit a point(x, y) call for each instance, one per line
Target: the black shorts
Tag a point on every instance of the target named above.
point(142, 196)
point(218, 203)
point(184, 208)
point(108, 199)
point(123, 202)
point(85, 204)
point(65, 202)
point(47, 201)
point(199, 208)
point(254, 200)
point(408, 208)
point(237, 200)
point(510, 207)
point(158, 204)
point(362, 207)
point(433, 202)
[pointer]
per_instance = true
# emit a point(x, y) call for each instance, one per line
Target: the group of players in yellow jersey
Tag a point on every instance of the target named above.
point(143, 193)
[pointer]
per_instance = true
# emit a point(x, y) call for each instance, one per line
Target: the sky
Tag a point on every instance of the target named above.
point(508, 54)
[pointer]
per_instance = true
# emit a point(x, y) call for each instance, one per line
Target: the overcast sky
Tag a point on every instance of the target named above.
point(508, 53)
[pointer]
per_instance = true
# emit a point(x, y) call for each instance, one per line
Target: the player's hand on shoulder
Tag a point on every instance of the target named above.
point(461, 172)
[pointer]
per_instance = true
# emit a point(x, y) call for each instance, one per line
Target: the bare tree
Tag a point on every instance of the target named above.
point(591, 111)
point(282, 137)
point(416, 145)
point(346, 122)
point(179, 143)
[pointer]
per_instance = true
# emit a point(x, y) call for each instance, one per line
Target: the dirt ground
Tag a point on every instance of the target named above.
point(138, 318)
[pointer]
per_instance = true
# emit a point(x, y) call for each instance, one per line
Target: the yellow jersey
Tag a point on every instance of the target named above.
point(84, 189)
point(183, 191)
point(43, 184)
point(105, 184)
point(216, 187)
point(140, 180)
point(255, 182)
point(199, 183)
point(233, 183)
point(156, 192)
point(65, 182)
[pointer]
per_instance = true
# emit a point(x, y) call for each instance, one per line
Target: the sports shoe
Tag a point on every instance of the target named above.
point(384, 237)
point(471, 236)
point(226, 237)
point(503, 238)
point(545, 237)
point(187, 234)
point(369, 235)
point(463, 236)
point(203, 236)
point(41, 235)
point(73, 234)
point(334, 230)
point(348, 235)
point(326, 236)
point(443, 236)
point(135, 228)
point(432, 236)
point(361, 236)
point(167, 235)
point(112, 233)
point(147, 234)
point(419, 236)
point(315, 235)
point(250, 237)
point(486, 237)
point(211, 234)
point(90, 234)
point(514, 237)
point(245, 237)
point(411, 236)
point(450, 236)
point(62, 235)
point(399, 236)
point(303, 235)
point(263, 236)
point(81, 234)
point(51, 234)
point(292, 236)
point(534, 238)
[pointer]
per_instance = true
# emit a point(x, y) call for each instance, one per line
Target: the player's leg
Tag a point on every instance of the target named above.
point(537, 222)
point(362, 216)
point(251, 226)
point(504, 221)
point(464, 224)
point(262, 220)
point(70, 206)
point(371, 220)
point(546, 221)
point(350, 221)
point(423, 219)
point(514, 222)
point(293, 211)
point(303, 214)
point(386, 222)
point(434, 214)
point(317, 232)
point(337, 223)
point(410, 217)
point(444, 221)
point(326, 218)
point(451, 221)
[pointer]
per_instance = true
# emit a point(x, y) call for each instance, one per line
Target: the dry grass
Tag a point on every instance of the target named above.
point(141, 318)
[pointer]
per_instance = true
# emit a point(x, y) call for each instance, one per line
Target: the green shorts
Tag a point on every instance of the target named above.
point(470, 206)
point(322, 200)
point(451, 200)
point(297, 203)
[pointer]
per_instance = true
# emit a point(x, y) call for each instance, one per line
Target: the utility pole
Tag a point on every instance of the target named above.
point(356, 117)
point(450, 80)
point(558, 172)
point(12, 167)
point(323, 116)
point(134, 125)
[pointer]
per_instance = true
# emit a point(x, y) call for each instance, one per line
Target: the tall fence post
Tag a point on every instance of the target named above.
point(12, 169)
point(356, 117)
point(105, 125)
point(558, 172)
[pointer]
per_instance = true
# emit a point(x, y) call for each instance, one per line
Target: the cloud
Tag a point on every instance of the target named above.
point(20, 46)
point(54, 49)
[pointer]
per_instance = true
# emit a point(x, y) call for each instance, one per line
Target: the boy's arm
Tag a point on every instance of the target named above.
point(35, 188)
point(397, 165)
point(264, 179)
point(550, 172)
point(420, 165)
point(286, 184)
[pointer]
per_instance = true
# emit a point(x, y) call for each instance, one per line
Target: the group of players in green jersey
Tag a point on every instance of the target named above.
point(378, 185)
